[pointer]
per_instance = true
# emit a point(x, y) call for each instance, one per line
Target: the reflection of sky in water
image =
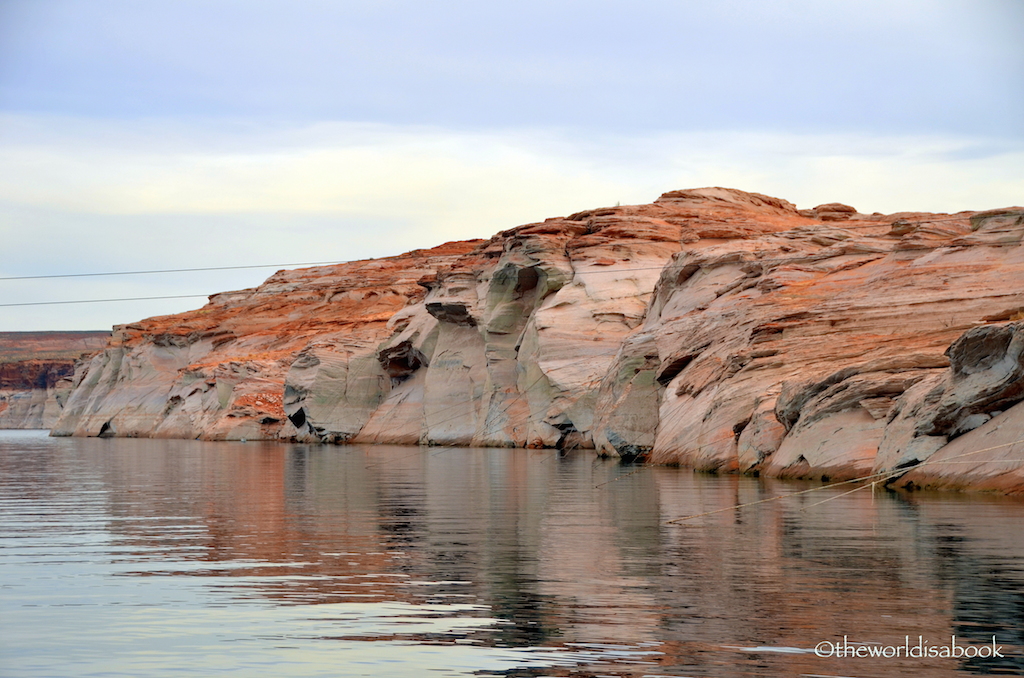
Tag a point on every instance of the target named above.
point(156, 558)
point(171, 627)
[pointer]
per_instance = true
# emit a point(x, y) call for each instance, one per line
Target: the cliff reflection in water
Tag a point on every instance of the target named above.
point(531, 549)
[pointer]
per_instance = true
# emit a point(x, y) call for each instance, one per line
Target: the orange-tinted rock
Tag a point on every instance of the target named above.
point(218, 372)
point(61, 346)
point(712, 328)
point(832, 328)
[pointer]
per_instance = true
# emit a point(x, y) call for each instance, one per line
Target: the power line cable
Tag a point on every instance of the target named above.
point(328, 263)
point(171, 270)
point(795, 258)
point(97, 301)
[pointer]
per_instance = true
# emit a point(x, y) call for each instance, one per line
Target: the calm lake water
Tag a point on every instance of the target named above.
point(183, 558)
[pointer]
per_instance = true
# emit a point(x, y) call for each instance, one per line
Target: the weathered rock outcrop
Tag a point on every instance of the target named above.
point(35, 374)
point(972, 418)
point(218, 373)
point(818, 351)
point(714, 328)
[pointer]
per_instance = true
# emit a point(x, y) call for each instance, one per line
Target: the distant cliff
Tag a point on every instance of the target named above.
point(35, 374)
point(714, 328)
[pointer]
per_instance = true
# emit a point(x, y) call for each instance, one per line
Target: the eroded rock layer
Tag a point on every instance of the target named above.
point(35, 374)
point(714, 328)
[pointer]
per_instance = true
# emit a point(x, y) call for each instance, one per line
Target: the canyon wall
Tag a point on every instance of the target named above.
point(713, 328)
point(36, 371)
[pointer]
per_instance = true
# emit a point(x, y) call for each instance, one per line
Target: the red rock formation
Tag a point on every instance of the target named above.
point(17, 346)
point(218, 372)
point(31, 374)
point(713, 328)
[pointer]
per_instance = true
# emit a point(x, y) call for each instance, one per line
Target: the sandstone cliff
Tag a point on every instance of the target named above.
point(714, 328)
point(35, 374)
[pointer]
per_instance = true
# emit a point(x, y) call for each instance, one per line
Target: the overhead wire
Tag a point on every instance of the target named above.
point(98, 301)
point(300, 263)
point(796, 257)
point(170, 270)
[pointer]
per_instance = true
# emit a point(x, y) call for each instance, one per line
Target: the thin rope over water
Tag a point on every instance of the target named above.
point(880, 476)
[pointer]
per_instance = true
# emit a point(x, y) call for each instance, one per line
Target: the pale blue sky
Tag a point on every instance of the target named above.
point(180, 134)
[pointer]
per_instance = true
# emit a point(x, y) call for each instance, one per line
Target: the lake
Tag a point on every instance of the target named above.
point(130, 557)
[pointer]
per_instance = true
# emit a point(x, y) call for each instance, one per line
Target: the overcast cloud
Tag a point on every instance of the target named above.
point(172, 135)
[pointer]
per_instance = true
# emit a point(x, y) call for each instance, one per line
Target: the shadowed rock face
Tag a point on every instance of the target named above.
point(713, 328)
point(32, 392)
point(35, 374)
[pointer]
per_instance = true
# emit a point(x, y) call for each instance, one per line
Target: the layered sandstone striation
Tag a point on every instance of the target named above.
point(714, 328)
point(218, 373)
point(837, 350)
point(35, 374)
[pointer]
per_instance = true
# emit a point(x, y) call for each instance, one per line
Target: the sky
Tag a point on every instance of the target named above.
point(196, 134)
